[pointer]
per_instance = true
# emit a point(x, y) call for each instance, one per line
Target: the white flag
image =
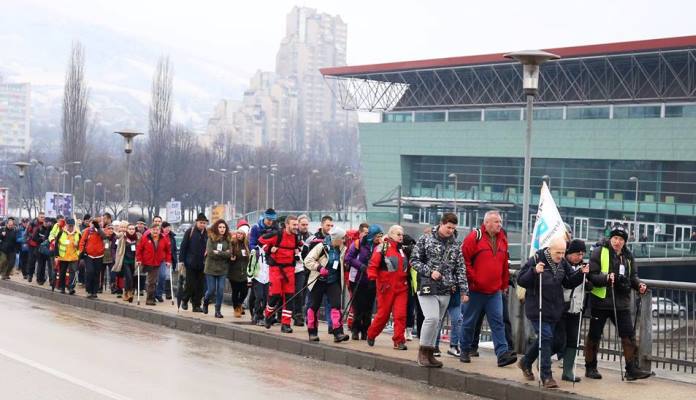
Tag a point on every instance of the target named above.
point(549, 224)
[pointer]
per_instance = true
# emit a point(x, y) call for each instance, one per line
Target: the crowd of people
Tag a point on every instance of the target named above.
point(358, 281)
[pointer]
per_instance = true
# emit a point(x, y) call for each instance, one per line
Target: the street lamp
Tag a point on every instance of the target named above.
point(309, 176)
point(244, 192)
point(72, 191)
point(22, 166)
point(223, 173)
point(84, 193)
point(94, 196)
point(65, 172)
point(258, 187)
point(635, 211)
point(454, 176)
point(530, 60)
point(52, 168)
point(128, 135)
point(234, 189)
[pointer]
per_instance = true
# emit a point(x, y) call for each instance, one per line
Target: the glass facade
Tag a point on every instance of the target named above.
point(512, 114)
point(397, 117)
point(679, 111)
point(587, 113)
point(436, 116)
point(468, 115)
point(636, 112)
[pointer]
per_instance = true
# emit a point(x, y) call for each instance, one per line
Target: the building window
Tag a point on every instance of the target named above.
point(587, 113)
point(544, 113)
point(438, 116)
point(469, 115)
point(397, 117)
point(512, 114)
point(621, 112)
point(680, 111)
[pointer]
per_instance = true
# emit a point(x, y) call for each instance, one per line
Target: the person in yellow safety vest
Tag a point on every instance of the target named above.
point(613, 273)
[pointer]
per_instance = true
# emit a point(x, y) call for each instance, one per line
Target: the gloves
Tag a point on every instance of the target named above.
point(323, 272)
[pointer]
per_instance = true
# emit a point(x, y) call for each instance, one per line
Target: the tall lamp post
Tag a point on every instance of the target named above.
point(22, 166)
point(530, 60)
point(248, 168)
point(635, 211)
point(72, 191)
point(223, 174)
point(234, 189)
point(84, 193)
point(454, 176)
point(94, 197)
point(274, 171)
point(65, 171)
point(309, 177)
point(128, 136)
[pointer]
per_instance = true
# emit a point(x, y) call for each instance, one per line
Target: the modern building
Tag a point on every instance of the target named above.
point(15, 114)
point(614, 133)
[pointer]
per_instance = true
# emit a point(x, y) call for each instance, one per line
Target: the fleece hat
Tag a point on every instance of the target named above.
point(270, 214)
point(373, 231)
point(243, 226)
point(337, 233)
point(619, 230)
point(576, 246)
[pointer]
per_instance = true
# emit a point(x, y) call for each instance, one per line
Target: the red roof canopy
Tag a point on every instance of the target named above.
point(565, 52)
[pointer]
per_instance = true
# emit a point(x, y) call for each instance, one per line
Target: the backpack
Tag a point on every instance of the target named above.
point(279, 237)
point(352, 235)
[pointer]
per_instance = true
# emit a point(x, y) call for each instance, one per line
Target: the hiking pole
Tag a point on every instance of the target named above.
point(577, 342)
point(171, 282)
point(613, 302)
point(282, 305)
point(540, 310)
point(138, 267)
point(352, 296)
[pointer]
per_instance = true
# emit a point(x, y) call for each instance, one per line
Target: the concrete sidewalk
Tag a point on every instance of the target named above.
point(482, 377)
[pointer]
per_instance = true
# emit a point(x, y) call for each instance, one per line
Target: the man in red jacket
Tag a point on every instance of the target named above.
point(153, 249)
point(281, 248)
point(486, 256)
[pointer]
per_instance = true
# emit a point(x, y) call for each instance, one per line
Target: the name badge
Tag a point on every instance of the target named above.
point(132, 247)
point(243, 252)
point(401, 251)
point(335, 264)
point(622, 270)
point(219, 247)
point(106, 243)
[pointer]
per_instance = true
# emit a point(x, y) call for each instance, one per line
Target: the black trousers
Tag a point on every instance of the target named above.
point(599, 319)
point(565, 335)
point(363, 304)
point(92, 268)
point(298, 306)
point(195, 286)
point(258, 301)
point(66, 266)
point(239, 292)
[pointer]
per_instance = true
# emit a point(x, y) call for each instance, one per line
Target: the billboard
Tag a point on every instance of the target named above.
point(173, 212)
point(4, 202)
point(58, 204)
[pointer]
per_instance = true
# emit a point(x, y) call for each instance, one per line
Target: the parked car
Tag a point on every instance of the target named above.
point(662, 306)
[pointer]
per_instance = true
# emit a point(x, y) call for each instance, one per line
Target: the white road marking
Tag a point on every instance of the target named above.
point(94, 388)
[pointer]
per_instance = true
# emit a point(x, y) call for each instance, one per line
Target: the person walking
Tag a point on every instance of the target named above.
point(237, 274)
point(124, 263)
point(218, 260)
point(152, 250)
point(163, 279)
point(192, 255)
point(363, 291)
point(92, 246)
point(388, 267)
point(9, 246)
point(326, 265)
point(67, 252)
point(437, 259)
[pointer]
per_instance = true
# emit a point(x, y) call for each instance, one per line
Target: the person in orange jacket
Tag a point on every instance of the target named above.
point(388, 266)
point(92, 247)
point(153, 249)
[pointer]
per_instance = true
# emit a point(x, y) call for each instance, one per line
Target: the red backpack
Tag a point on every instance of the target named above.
point(352, 236)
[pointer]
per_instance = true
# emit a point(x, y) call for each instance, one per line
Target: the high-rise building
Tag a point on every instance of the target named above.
point(15, 113)
point(293, 107)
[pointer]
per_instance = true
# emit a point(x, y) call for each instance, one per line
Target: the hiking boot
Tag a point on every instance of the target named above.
point(150, 302)
point(400, 346)
point(506, 359)
point(465, 357)
point(526, 371)
point(474, 353)
point(184, 305)
point(205, 306)
point(285, 328)
point(313, 337)
point(268, 323)
point(434, 362)
point(370, 342)
point(592, 373)
point(218, 314)
point(197, 309)
point(238, 312)
point(550, 383)
point(340, 337)
point(633, 372)
point(424, 353)
point(297, 321)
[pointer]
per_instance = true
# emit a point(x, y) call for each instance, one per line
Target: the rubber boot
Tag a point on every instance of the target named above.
point(591, 348)
point(568, 363)
point(424, 353)
point(632, 370)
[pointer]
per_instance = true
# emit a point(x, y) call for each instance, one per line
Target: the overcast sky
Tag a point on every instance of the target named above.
point(247, 33)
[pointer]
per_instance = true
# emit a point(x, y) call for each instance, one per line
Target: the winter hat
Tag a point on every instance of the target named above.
point(201, 217)
point(576, 246)
point(243, 226)
point(337, 233)
point(86, 217)
point(70, 221)
point(373, 231)
point(270, 214)
point(619, 230)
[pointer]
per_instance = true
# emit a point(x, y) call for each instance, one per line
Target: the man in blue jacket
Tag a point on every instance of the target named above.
point(549, 265)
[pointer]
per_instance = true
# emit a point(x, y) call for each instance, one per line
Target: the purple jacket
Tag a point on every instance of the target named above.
point(358, 260)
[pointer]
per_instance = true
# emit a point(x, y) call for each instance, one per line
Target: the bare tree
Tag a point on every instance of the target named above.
point(154, 158)
point(74, 120)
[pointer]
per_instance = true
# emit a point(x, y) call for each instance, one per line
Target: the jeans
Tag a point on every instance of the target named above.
point(216, 284)
point(492, 305)
point(506, 320)
point(434, 308)
point(530, 356)
point(163, 276)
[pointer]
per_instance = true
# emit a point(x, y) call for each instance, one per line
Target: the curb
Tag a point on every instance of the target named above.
point(445, 378)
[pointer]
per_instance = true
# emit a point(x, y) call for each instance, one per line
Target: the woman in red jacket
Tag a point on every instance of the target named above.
point(389, 267)
point(152, 250)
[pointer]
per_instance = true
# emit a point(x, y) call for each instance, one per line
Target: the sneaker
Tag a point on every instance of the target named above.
point(465, 357)
point(370, 342)
point(437, 352)
point(159, 299)
point(550, 384)
point(286, 328)
point(313, 338)
point(400, 346)
point(506, 359)
point(474, 353)
point(409, 334)
point(454, 351)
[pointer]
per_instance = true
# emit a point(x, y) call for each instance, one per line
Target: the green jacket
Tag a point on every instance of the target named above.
point(238, 266)
point(218, 256)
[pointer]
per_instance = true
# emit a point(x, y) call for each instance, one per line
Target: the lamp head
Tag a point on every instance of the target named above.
point(531, 60)
point(22, 165)
point(128, 134)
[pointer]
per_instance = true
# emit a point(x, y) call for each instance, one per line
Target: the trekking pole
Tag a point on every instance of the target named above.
point(171, 282)
point(577, 342)
point(352, 296)
point(613, 302)
point(540, 310)
point(282, 305)
point(138, 267)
